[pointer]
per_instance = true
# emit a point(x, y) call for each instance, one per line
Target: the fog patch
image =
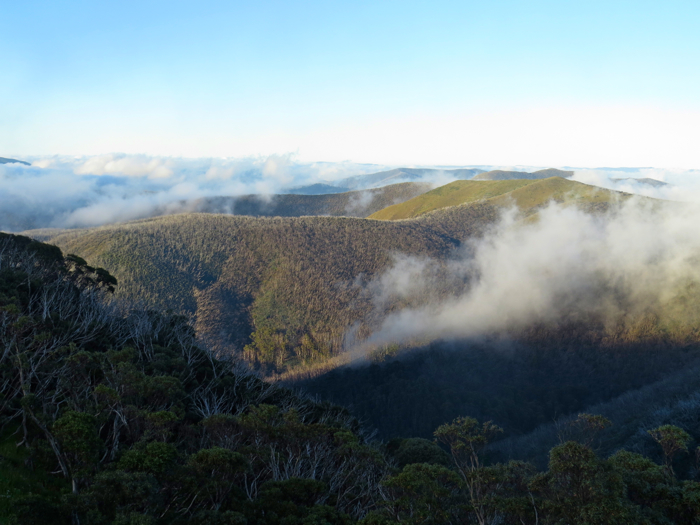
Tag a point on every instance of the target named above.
point(359, 201)
point(71, 192)
point(567, 266)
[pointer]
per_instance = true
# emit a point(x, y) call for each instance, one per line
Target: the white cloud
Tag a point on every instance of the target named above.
point(67, 191)
point(569, 265)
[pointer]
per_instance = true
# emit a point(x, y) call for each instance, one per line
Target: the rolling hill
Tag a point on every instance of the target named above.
point(527, 194)
point(299, 284)
point(290, 295)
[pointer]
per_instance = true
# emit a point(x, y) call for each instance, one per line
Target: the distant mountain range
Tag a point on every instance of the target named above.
point(385, 178)
point(4, 160)
point(646, 180)
point(510, 175)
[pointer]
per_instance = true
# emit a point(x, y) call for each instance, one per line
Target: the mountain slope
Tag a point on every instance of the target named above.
point(349, 203)
point(282, 277)
point(453, 194)
point(303, 287)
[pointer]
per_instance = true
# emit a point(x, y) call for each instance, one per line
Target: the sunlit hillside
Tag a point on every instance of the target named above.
point(528, 195)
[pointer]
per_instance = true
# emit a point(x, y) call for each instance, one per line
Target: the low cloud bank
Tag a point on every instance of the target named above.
point(71, 192)
point(568, 266)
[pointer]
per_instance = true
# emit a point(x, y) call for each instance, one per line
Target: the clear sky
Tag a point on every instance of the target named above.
point(580, 83)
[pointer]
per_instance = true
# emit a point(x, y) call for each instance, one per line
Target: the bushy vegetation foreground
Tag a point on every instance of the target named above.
point(114, 415)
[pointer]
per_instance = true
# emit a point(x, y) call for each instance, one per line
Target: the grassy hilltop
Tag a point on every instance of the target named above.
point(527, 194)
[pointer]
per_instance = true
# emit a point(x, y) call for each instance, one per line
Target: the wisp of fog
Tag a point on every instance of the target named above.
point(562, 265)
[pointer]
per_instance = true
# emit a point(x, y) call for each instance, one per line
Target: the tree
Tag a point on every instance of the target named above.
point(466, 439)
point(76, 433)
point(672, 440)
point(579, 488)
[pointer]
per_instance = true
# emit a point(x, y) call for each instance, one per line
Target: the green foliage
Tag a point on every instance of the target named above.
point(33, 509)
point(154, 458)
point(416, 450)
point(76, 433)
point(130, 421)
point(423, 493)
point(672, 441)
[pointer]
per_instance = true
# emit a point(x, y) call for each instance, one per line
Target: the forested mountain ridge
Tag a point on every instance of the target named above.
point(299, 284)
point(283, 277)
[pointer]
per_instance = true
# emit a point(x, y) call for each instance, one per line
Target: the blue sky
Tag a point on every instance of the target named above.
point(542, 83)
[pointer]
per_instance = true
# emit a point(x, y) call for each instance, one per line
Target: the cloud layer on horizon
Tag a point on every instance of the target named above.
point(71, 192)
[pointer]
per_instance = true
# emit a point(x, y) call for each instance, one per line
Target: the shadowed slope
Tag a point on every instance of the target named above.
point(281, 277)
point(348, 204)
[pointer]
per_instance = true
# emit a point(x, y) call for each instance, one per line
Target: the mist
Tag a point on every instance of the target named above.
point(565, 266)
point(73, 192)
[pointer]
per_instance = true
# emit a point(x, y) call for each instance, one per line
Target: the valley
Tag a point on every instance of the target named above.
point(397, 318)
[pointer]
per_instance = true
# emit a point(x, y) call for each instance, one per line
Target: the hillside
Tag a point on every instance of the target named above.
point(349, 203)
point(290, 292)
point(527, 194)
point(297, 282)
point(114, 415)
point(510, 175)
